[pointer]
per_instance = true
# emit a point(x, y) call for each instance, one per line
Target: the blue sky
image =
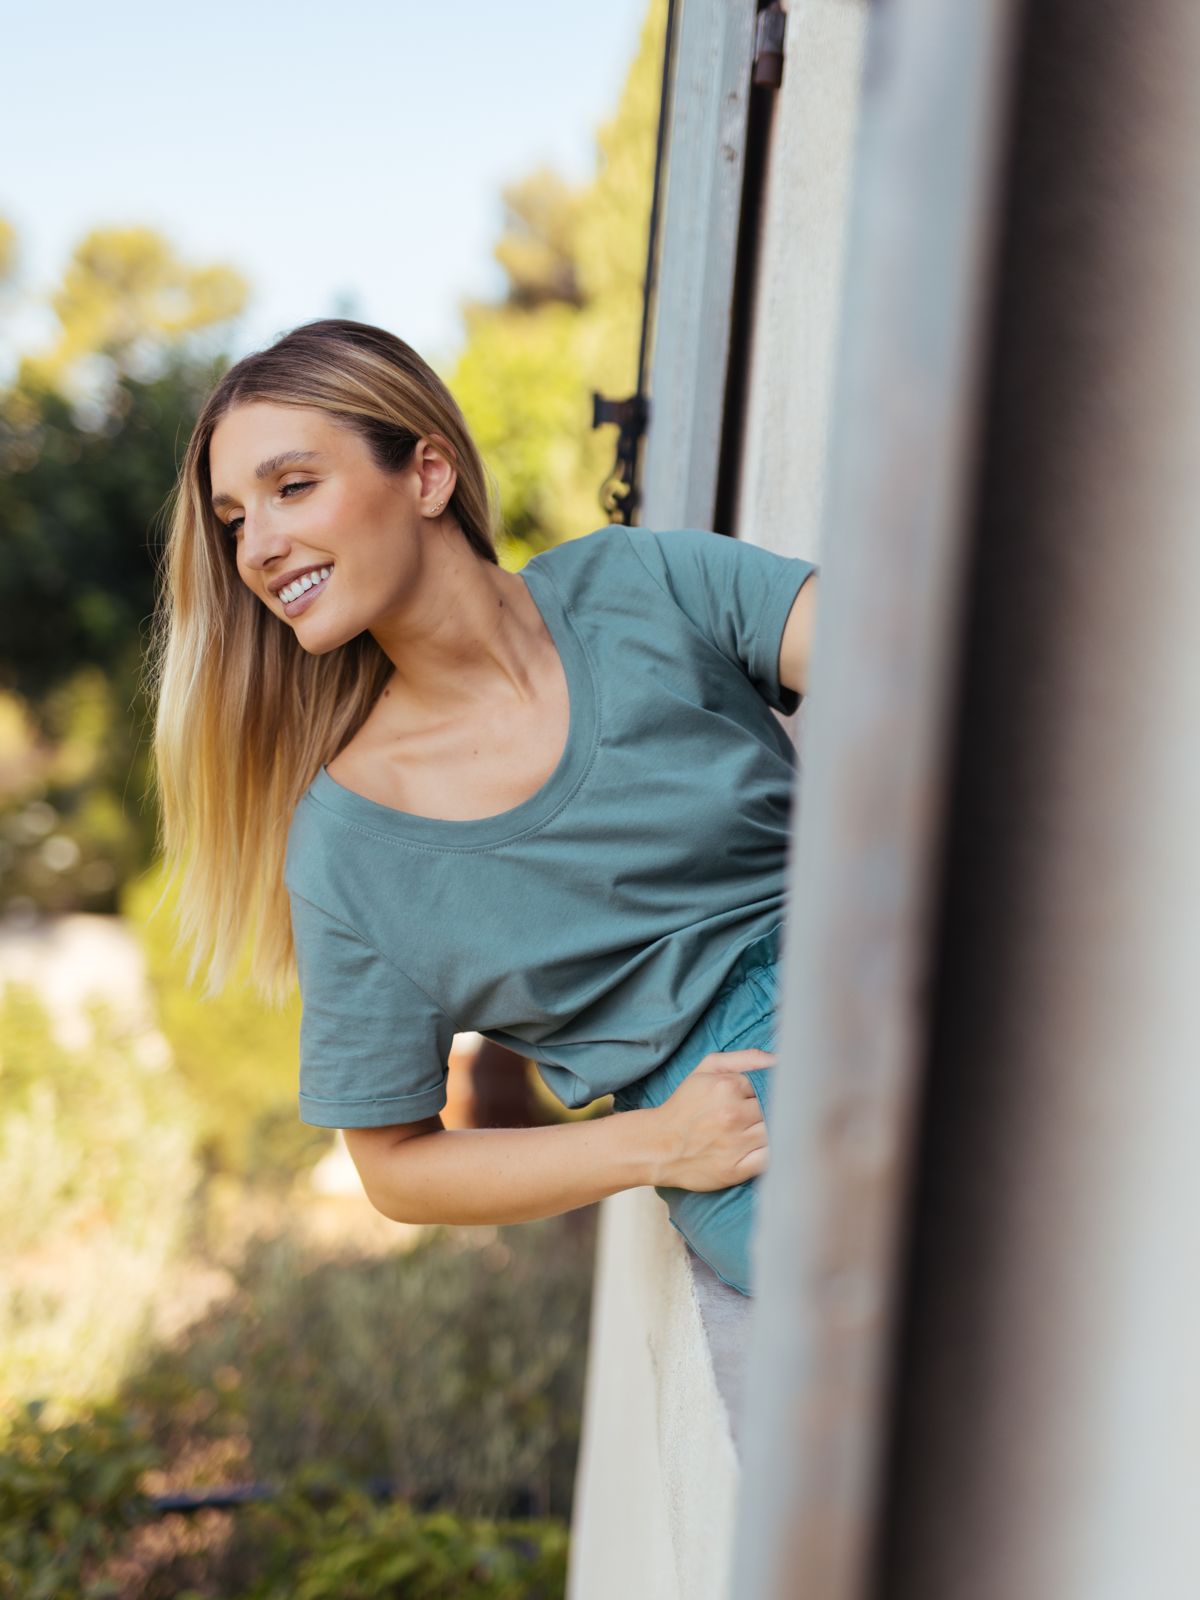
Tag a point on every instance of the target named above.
point(326, 150)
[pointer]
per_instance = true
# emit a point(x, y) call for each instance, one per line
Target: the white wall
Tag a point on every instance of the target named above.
point(657, 1477)
point(658, 1474)
point(794, 336)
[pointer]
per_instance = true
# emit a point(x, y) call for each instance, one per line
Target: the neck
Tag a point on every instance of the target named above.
point(475, 637)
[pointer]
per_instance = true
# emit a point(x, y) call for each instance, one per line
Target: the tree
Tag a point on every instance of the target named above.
point(89, 435)
point(537, 247)
point(568, 323)
point(128, 298)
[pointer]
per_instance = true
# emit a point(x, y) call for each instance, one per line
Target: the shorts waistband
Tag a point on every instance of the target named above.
point(760, 952)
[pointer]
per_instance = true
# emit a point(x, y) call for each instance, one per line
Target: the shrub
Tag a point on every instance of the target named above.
point(68, 1496)
point(454, 1369)
point(238, 1056)
point(356, 1550)
point(95, 1178)
point(73, 1516)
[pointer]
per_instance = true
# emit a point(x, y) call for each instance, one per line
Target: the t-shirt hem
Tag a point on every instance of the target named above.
point(378, 1112)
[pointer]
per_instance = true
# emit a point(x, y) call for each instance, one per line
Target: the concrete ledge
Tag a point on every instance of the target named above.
point(658, 1471)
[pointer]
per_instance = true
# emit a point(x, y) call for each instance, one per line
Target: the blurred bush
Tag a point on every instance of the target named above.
point(80, 500)
point(96, 1172)
point(568, 322)
point(449, 1364)
point(358, 1551)
point(454, 1369)
point(91, 428)
point(67, 837)
point(237, 1056)
point(68, 1496)
point(76, 1523)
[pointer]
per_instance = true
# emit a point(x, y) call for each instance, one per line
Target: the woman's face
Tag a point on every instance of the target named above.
point(297, 492)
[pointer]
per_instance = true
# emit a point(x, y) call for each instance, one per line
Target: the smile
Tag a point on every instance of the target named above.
point(300, 595)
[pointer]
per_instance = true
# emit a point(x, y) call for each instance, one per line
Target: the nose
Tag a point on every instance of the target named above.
point(263, 543)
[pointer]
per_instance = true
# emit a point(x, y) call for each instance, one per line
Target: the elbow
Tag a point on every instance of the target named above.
point(390, 1205)
point(384, 1204)
point(377, 1156)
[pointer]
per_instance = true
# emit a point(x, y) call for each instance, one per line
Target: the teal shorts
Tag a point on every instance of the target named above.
point(719, 1223)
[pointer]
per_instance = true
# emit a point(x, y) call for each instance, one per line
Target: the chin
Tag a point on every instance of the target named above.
point(319, 647)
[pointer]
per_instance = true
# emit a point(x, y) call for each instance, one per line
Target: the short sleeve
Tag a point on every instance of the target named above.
point(373, 1047)
point(738, 594)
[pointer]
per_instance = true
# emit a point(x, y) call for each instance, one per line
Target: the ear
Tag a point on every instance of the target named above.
point(436, 463)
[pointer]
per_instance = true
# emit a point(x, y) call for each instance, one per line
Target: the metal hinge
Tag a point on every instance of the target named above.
point(619, 493)
point(769, 46)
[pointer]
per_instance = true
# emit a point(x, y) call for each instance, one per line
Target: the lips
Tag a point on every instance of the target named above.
point(307, 597)
point(297, 572)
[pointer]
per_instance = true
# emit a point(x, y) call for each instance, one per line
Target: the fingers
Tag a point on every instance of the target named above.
point(753, 1165)
point(745, 1060)
point(755, 1159)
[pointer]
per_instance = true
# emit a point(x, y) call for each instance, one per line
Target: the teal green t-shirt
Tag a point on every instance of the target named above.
point(590, 926)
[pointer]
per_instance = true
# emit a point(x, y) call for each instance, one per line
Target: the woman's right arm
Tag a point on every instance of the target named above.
point(708, 1134)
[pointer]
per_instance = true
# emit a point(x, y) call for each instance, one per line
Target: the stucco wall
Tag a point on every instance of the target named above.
point(657, 1477)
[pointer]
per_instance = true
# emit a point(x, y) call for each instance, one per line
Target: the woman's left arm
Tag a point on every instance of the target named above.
point(795, 651)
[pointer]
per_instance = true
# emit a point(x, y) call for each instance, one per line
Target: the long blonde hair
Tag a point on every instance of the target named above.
point(244, 717)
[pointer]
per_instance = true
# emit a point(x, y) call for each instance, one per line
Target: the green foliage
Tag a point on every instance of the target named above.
point(527, 404)
point(68, 1496)
point(355, 1550)
point(8, 250)
point(89, 434)
point(537, 246)
point(67, 834)
point(569, 322)
point(450, 1362)
point(80, 498)
point(79, 503)
point(73, 1503)
point(454, 1368)
point(126, 296)
point(95, 1178)
point(238, 1056)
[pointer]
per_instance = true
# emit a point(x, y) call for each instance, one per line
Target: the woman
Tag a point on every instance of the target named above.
point(550, 806)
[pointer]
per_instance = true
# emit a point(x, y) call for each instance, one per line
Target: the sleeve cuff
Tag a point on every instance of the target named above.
point(768, 638)
point(379, 1112)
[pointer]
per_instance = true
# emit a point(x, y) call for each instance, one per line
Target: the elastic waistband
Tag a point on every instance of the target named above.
point(760, 952)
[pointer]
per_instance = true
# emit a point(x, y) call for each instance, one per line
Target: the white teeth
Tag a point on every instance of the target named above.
point(309, 581)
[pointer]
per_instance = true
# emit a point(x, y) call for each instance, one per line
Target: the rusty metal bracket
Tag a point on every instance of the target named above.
point(769, 47)
point(619, 494)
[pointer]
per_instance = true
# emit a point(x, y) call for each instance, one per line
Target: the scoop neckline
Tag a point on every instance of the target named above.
point(538, 808)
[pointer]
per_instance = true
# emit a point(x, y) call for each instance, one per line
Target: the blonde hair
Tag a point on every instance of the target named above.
point(244, 717)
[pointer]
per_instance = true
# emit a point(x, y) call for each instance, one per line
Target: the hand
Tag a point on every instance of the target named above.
point(711, 1129)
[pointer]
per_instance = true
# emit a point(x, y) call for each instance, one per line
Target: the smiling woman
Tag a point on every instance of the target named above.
point(287, 527)
point(549, 806)
point(333, 414)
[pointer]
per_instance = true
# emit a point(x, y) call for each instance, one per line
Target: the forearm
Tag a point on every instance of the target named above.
point(492, 1175)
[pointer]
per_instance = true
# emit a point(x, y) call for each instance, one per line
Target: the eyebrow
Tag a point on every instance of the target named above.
point(264, 469)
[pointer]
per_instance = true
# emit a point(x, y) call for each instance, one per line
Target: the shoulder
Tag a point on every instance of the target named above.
point(616, 558)
point(679, 557)
point(571, 560)
point(318, 840)
point(305, 830)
